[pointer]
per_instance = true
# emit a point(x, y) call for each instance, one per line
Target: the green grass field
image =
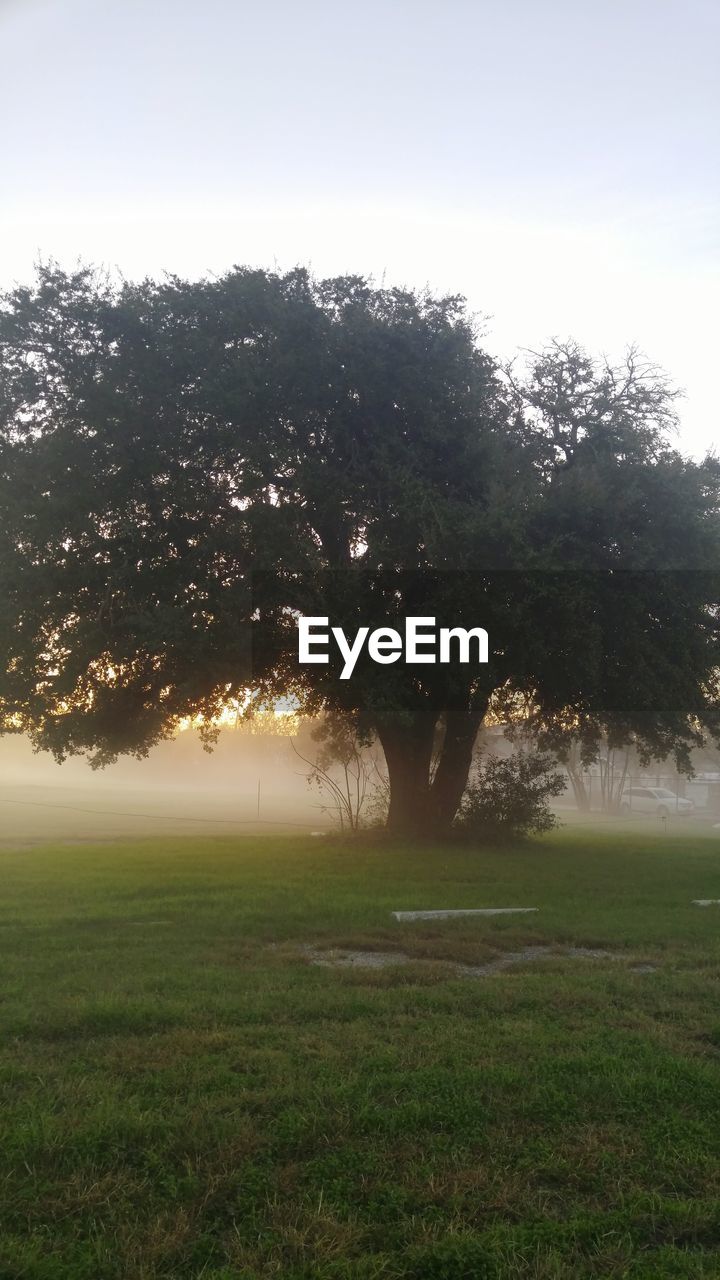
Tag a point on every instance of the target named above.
point(184, 1095)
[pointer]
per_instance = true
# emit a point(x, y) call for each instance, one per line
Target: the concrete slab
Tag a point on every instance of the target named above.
point(706, 902)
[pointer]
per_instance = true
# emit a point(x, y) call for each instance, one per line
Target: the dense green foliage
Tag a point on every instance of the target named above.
point(508, 798)
point(184, 466)
point(185, 1096)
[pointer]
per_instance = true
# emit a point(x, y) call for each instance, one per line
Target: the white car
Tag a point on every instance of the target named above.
point(658, 801)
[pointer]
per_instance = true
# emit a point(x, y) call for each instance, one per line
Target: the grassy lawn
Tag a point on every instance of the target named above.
point(185, 1095)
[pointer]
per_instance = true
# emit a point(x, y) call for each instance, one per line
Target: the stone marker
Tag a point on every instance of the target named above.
point(706, 902)
point(473, 911)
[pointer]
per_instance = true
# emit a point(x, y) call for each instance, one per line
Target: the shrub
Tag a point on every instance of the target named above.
point(508, 799)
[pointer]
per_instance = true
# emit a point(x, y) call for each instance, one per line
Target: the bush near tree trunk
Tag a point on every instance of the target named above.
point(509, 799)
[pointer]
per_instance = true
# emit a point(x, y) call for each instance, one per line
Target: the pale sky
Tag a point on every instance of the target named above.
point(557, 161)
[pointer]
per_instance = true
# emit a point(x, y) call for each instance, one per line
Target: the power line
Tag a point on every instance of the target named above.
point(163, 817)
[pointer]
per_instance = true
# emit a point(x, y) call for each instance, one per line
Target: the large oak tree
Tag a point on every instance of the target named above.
point(185, 466)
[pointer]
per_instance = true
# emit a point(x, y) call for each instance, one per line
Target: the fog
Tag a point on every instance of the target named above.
point(250, 784)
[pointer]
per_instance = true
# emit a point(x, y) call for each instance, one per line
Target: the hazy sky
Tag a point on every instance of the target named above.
point(558, 161)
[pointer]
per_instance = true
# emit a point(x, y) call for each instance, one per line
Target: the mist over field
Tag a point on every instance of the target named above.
point(178, 789)
point(249, 784)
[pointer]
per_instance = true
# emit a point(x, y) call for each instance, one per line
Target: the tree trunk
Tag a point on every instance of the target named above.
point(417, 806)
point(463, 719)
point(408, 751)
point(575, 768)
point(580, 792)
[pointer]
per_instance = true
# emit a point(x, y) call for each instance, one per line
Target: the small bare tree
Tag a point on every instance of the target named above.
point(346, 774)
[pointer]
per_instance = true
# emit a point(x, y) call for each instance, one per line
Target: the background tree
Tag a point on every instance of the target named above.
point(185, 466)
point(579, 747)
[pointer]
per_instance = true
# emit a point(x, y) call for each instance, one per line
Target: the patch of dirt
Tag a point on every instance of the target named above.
point(591, 953)
point(338, 958)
